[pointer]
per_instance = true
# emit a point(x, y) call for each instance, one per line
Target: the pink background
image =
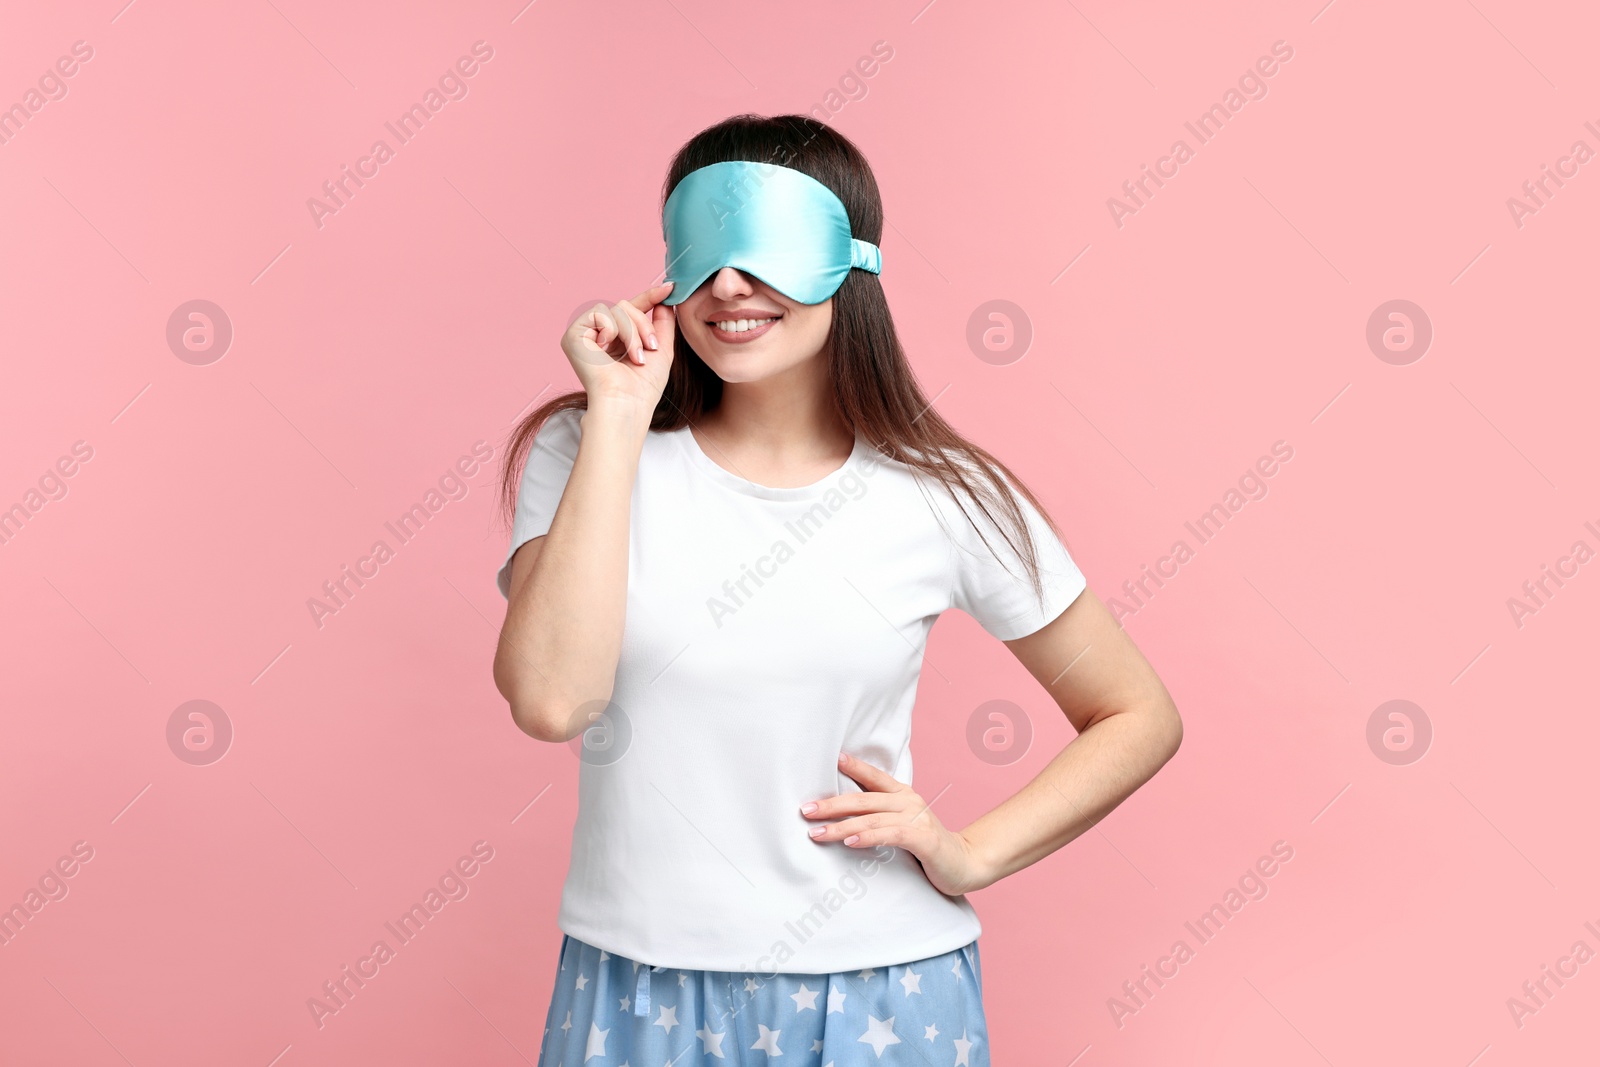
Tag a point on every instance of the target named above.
point(370, 354)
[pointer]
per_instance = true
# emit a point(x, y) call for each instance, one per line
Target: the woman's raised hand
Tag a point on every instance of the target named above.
point(623, 352)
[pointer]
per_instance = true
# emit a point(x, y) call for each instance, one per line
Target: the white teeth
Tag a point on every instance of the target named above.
point(742, 325)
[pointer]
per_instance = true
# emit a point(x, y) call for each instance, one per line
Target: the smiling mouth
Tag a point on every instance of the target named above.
point(734, 327)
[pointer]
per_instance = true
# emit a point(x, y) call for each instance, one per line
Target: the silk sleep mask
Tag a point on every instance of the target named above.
point(773, 222)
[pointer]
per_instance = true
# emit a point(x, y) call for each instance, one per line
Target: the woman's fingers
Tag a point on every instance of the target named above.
point(848, 828)
point(652, 296)
point(622, 331)
point(886, 801)
point(639, 330)
point(627, 330)
point(869, 776)
point(663, 324)
point(645, 302)
point(604, 326)
point(855, 804)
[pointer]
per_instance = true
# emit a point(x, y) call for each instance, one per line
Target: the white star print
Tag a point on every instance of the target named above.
point(597, 1042)
point(880, 1033)
point(710, 1042)
point(768, 1041)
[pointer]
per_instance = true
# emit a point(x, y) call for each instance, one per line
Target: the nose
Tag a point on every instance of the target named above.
point(730, 284)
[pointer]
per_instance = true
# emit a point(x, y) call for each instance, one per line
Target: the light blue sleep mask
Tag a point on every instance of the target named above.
point(781, 225)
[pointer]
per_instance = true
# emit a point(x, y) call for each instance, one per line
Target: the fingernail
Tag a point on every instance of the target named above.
point(843, 757)
point(808, 807)
point(651, 343)
point(818, 831)
point(852, 839)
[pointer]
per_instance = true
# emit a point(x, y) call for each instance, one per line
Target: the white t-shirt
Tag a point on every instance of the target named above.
point(767, 630)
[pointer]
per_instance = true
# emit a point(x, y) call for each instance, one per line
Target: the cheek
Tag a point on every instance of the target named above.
point(694, 331)
point(815, 327)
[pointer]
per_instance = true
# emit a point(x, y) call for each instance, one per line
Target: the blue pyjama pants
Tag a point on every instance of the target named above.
point(609, 1011)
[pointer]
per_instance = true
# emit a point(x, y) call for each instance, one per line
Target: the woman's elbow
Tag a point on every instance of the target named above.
point(537, 722)
point(1170, 730)
point(556, 719)
point(538, 728)
point(521, 693)
point(526, 712)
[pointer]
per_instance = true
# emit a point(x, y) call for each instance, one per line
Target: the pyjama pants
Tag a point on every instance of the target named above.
point(609, 1011)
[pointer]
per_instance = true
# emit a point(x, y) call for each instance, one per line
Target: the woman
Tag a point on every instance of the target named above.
point(729, 548)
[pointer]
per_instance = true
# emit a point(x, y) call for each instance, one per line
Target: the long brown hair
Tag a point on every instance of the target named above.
point(876, 391)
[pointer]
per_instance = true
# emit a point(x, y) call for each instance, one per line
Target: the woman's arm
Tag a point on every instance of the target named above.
point(563, 631)
point(1128, 727)
point(558, 650)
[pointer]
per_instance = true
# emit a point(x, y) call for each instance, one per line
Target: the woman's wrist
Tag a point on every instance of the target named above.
point(623, 413)
point(984, 871)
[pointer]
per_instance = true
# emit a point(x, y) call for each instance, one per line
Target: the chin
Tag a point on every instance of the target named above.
point(737, 368)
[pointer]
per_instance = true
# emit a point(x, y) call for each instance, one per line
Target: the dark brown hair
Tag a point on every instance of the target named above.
point(876, 390)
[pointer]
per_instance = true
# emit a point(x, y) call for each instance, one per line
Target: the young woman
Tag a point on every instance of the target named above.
point(728, 550)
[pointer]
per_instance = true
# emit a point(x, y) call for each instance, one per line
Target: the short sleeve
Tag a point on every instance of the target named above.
point(991, 581)
point(544, 477)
